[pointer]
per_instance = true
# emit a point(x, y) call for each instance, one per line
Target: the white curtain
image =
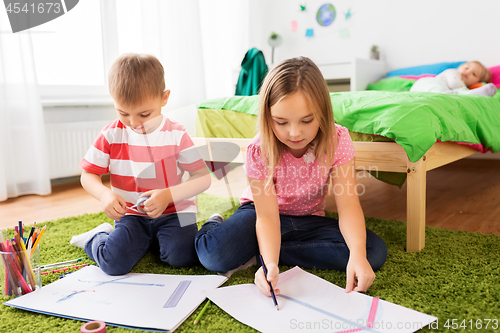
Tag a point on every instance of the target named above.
point(200, 43)
point(171, 31)
point(167, 29)
point(23, 158)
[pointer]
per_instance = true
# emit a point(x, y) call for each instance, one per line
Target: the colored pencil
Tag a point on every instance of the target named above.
point(18, 268)
point(64, 269)
point(28, 248)
point(56, 267)
point(10, 283)
point(4, 248)
point(15, 258)
point(31, 234)
point(62, 263)
point(7, 282)
point(270, 285)
point(17, 236)
point(37, 240)
point(16, 276)
point(197, 320)
point(37, 231)
point(11, 276)
point(27, 266)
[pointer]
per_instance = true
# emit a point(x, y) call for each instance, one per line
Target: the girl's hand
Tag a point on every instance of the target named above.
point(272, 276)
point(157, 202)
point(113, 205)
point(360, 275)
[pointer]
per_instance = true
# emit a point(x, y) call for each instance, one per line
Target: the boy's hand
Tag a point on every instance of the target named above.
point(157, 202)
point(272, 276)
point(113, 205)
point(360, 275)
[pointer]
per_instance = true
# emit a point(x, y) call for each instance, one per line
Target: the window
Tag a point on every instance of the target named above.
point(73, 52)
point(68, 53)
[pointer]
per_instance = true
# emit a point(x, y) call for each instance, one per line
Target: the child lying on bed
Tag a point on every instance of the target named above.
point(458, 80)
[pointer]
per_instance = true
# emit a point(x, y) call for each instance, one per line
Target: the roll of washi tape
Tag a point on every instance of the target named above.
point(95, 326)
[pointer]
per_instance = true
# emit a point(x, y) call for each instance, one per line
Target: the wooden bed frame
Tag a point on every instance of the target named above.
point(388, 156)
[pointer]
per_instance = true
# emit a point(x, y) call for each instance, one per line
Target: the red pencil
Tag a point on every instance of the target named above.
point(10, 276)
point(64, 269)
point(5, 248)
point(16, 276)
point(7, 288)
point(14, 256)
point(35, 234)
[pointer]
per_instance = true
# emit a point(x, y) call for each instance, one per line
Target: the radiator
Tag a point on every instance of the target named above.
point(67, 144)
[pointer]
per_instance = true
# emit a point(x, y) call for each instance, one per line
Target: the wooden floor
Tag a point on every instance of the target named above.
point(464, 195)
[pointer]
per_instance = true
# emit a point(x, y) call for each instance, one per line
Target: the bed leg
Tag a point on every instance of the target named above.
point(415, 205)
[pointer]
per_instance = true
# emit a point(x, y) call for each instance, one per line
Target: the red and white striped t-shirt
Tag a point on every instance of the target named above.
point(141, 162)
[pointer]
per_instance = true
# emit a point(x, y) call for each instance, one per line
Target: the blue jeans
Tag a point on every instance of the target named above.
point(118, 252)
point(306, 241)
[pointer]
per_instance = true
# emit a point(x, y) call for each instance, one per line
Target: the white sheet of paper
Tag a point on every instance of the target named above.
point(310, 304)
point(132, 300)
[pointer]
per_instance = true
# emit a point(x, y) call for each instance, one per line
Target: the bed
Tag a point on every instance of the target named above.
point(404, 134)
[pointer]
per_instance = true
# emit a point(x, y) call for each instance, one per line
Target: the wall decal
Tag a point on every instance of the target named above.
point(326, 14)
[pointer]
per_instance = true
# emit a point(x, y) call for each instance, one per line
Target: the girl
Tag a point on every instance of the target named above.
point(289, 165)
point(462, 80)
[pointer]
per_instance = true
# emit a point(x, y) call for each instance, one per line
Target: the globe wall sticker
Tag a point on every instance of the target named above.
point(326, 14)
point(25, 14)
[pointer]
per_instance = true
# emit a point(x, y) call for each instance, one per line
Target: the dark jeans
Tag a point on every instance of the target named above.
point(118, 252)
point(306, 241)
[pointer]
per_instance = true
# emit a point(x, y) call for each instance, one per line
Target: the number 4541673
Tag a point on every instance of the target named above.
point(471, 324)
point(41, 7)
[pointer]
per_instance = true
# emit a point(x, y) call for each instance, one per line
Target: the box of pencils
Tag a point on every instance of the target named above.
point(20, 271)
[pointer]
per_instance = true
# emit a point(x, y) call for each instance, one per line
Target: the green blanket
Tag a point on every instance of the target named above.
point(414, 120)
point(392, 84)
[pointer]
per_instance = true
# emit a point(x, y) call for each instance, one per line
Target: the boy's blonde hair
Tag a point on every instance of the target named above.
point(486, 77)
point(135, 77)
point(291, 76)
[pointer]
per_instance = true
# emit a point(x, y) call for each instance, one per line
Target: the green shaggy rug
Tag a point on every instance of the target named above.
point(456, 277)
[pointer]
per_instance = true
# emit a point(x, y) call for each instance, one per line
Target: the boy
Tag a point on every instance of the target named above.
point(146, 155)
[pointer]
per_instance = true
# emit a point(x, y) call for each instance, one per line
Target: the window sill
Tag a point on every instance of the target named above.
point(62, 102)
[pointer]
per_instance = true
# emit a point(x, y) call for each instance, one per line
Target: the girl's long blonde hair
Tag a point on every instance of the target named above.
point(291, 76)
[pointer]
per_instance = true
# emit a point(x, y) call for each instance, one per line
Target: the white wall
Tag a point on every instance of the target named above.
point(408, 33)
point(225, 39)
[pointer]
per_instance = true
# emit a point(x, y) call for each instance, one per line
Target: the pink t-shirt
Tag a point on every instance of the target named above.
point(301, 183)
